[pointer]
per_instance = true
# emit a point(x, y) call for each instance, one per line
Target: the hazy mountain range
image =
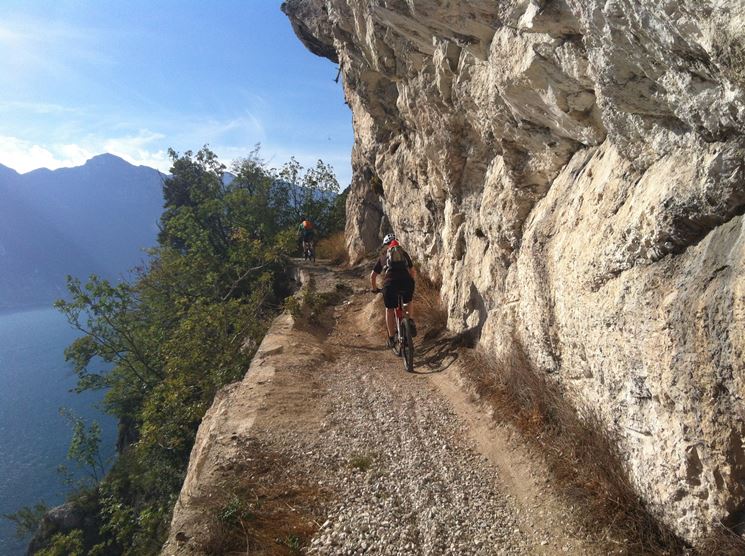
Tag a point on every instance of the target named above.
point(95, 218)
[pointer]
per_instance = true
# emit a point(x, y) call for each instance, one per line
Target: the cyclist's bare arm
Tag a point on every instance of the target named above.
point(373, 280)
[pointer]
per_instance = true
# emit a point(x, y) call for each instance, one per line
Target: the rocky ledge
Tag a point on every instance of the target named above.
point(571, 172)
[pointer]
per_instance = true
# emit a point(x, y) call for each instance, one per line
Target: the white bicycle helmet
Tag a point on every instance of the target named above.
point(388, 238)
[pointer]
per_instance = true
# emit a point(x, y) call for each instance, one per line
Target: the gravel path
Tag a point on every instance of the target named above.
point(360, 455)
point(408, 481)
point(405, 471)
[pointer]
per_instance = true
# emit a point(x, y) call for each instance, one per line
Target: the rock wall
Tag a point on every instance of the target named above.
point(573, 172)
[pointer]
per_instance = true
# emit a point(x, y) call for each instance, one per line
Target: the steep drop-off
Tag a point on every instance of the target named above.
point(572, 172)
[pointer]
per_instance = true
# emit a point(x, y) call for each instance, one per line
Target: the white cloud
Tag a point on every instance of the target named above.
point(48, 44)
point(24, 156)
point(231, 138)
point(138, 149)
point(44, 108)
point(244, 129)
point(146, 148)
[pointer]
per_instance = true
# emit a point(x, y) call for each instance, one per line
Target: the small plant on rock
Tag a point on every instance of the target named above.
point(362, 462)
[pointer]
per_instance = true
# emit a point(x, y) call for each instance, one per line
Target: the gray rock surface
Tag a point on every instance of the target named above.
point(572, 172)
point(62, 519)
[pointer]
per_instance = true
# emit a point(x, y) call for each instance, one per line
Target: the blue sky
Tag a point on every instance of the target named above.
point(134, 77)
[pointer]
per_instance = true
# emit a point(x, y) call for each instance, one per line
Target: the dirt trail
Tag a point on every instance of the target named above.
point(343, 452)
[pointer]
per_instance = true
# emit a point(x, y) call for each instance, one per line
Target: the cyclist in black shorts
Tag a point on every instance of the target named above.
point(398, 277)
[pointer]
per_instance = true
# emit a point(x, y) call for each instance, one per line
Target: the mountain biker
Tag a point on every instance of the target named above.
point(398, 278)
point(306, 233)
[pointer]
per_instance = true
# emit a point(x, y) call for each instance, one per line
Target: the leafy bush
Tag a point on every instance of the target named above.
point(27, 519)
point(309, 304)
point(65, 544)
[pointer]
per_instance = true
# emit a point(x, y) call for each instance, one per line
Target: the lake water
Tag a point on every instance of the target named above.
point(35, 382)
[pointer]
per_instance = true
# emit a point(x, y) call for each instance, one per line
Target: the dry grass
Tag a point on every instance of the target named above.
point(722, 542)
point(333, 248)
point(266, 510)
point(429, 309)
point(582, 457)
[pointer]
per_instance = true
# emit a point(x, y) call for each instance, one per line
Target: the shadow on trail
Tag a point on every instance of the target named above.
point(374, 348)
point(440, 352)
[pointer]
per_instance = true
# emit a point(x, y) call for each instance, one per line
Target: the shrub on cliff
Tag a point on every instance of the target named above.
point(173, 335)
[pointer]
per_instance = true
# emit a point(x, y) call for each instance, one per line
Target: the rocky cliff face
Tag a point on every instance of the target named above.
point(573, 172)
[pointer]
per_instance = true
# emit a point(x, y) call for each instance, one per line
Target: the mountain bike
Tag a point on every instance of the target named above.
point(309, 252)
point(403, 343)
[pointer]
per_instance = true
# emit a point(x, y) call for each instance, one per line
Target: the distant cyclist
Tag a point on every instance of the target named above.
point(306, 235)
point(398, 277)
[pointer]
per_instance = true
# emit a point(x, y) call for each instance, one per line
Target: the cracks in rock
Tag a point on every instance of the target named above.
point(376, 185)
point(688, 231)
point(673, 245)
point(715, 273)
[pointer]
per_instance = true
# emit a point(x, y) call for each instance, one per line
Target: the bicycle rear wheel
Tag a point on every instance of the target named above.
point(407, 346)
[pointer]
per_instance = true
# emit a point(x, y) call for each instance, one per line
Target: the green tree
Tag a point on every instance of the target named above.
point(192, 195)
point(308, 193)
point(27, 519)
point(85, 446)
point(176, 333)
point(65, 544)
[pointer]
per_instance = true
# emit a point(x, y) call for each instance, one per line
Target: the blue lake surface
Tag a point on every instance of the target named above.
point(35, 382)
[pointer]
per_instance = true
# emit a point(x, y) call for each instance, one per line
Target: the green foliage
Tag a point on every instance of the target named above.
point(363, 462)
point(294, 306)
point(309, 304)
point(84, 450)
point(308, 194)
point(294, 543)
point(27, 519)
point(65, 544)
point(174, 335)
point(235, 511)
point(338, 213)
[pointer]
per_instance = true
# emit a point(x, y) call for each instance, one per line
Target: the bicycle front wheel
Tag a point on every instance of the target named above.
point(407, 346)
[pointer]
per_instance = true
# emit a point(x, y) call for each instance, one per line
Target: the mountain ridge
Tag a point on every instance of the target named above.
point(93, 218)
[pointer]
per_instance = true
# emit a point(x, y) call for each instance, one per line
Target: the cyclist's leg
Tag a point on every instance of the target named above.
point(390, 299)
point(406, 288)
point(407, 293)
point(390, 321)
